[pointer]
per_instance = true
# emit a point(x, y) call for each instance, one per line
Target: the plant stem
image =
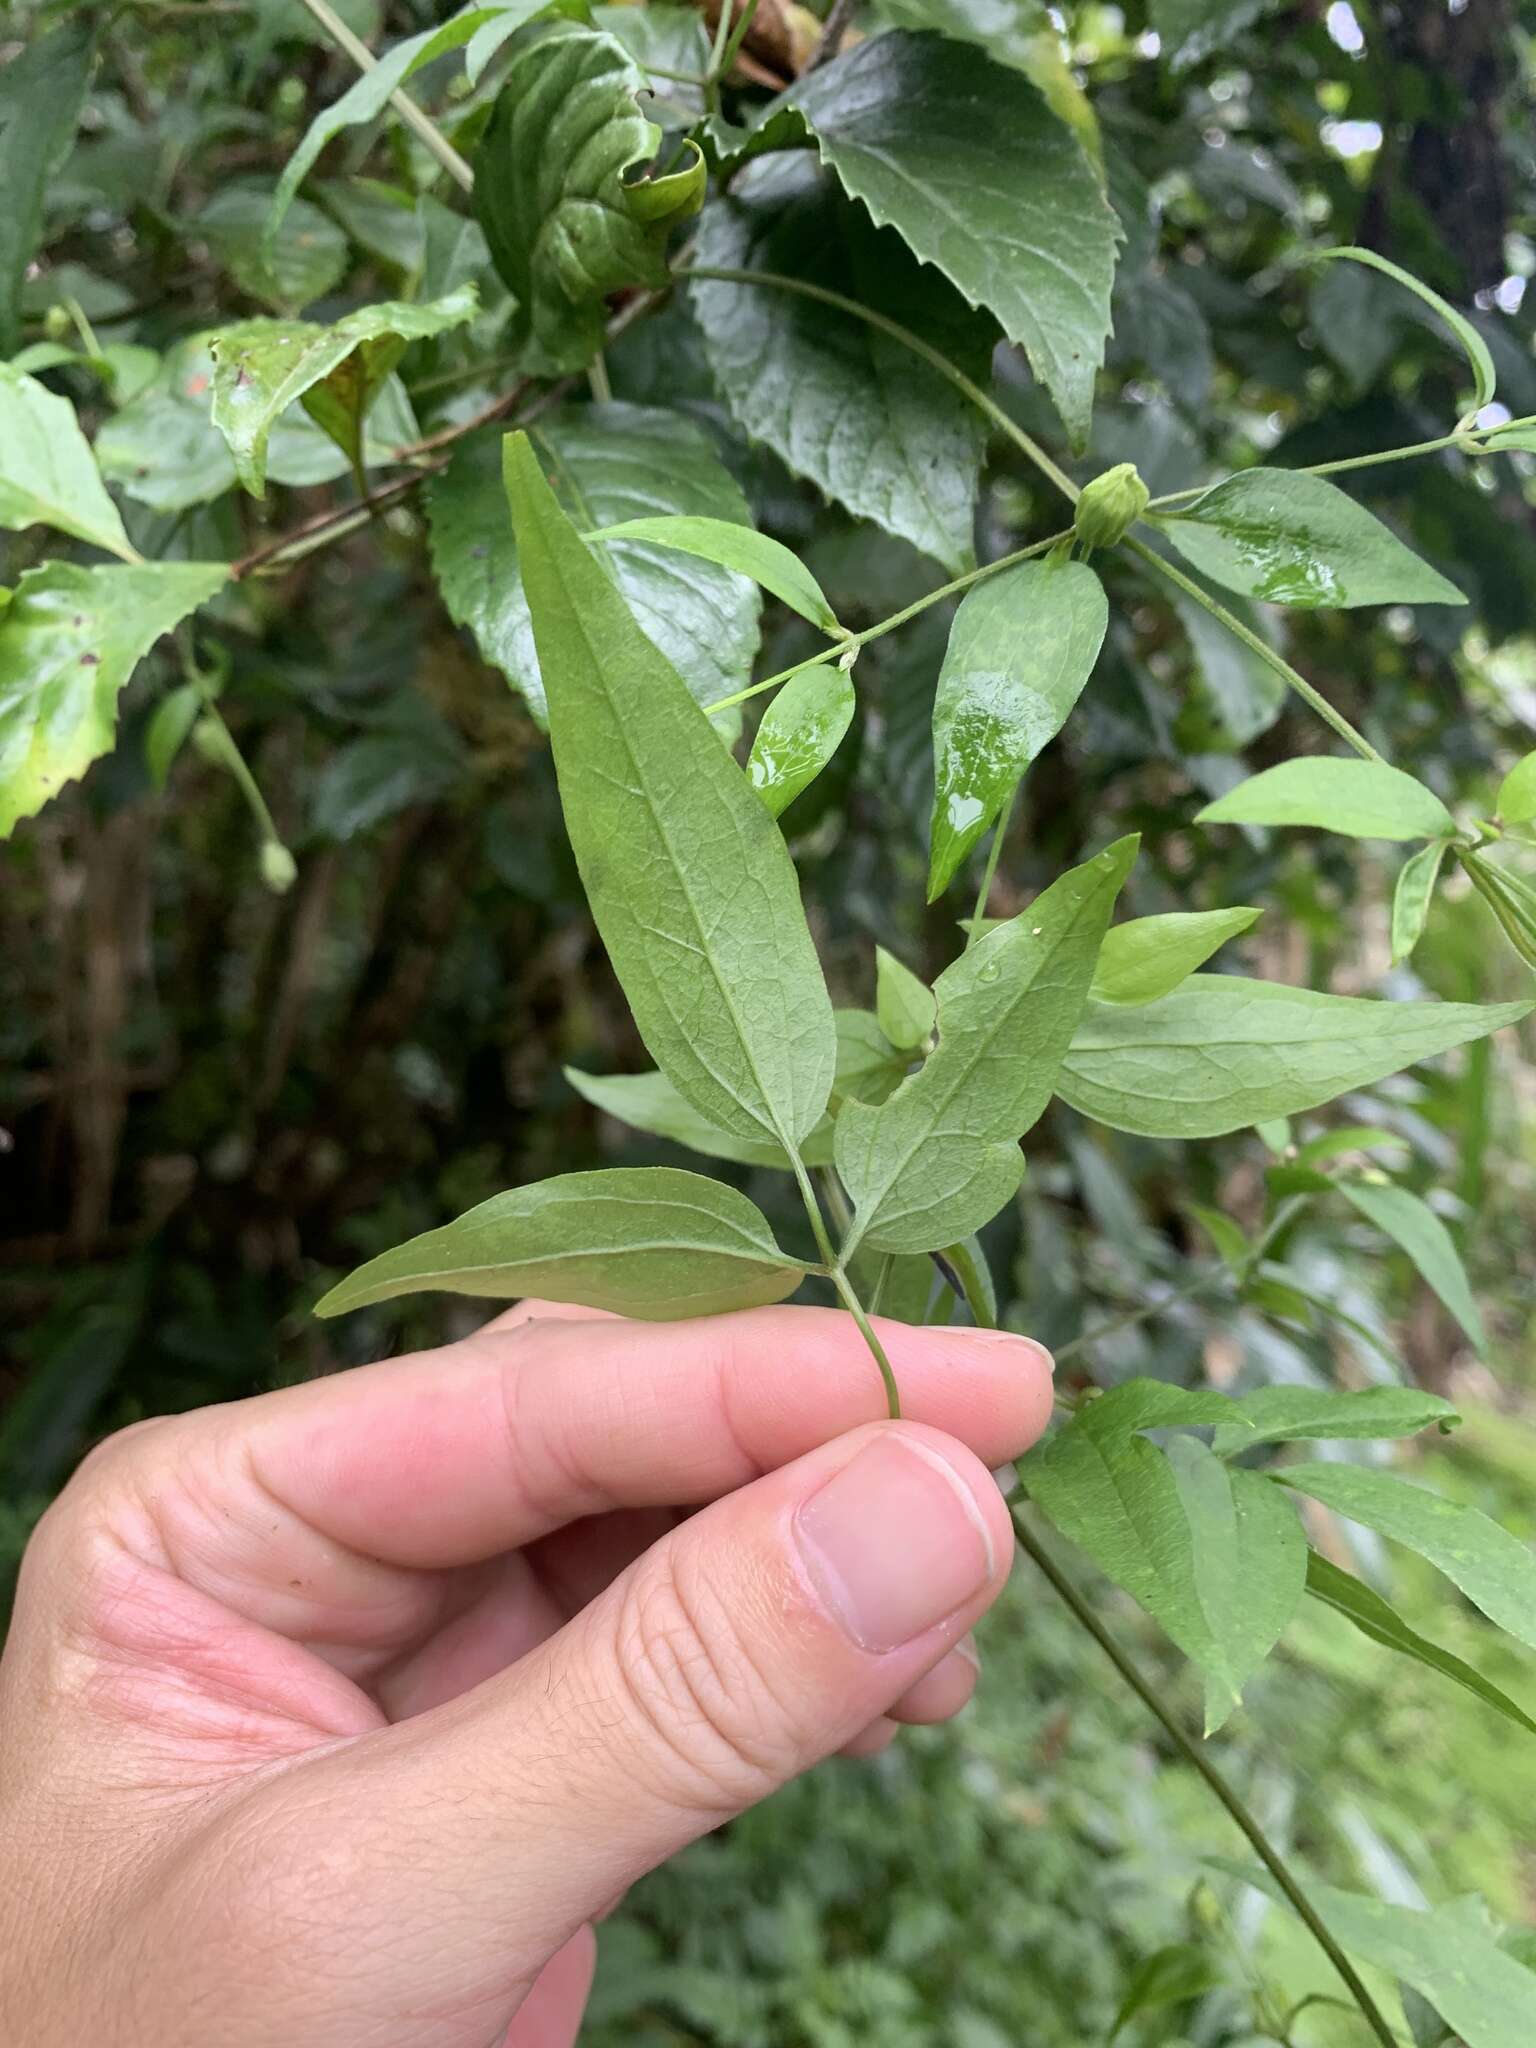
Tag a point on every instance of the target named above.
point(855, 1308)
point(421, 125)
point(999, 834)
point(1201, 1284)
point(597, 377)
point(1256, 645)
point(1348, 462)
point(738, 36)
point(850, 641)
point(1194, 1755)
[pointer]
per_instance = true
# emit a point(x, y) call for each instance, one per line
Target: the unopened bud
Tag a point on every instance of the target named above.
point(279, 869)
point(56, 323)
point(1110, 506)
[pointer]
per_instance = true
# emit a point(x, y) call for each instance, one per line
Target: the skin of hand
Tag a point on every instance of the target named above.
point(335, 1718)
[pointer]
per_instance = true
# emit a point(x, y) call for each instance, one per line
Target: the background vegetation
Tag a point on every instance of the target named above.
point(217, 1096)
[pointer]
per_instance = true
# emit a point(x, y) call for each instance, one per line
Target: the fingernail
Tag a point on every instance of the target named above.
point(978, 1336)
point(894, 1542)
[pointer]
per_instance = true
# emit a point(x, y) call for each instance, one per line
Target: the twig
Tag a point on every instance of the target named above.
point(421, 125)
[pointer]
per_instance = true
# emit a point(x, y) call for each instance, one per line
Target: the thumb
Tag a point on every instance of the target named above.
point(752, 1641)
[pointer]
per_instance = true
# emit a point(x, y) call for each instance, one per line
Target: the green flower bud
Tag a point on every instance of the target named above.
point(279, 869)
point(1110, 505)
point(56, 323)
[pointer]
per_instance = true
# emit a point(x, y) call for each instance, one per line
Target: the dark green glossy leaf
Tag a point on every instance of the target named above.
point(1017, 32)
point(42, 93)
point(967, 162)
point(1022, 646)
point(1411, 897)
point(1223, 1052)
point(1412, 1224)
point(941, 1157)
point(69, 640)
point(689, 880)
point(648, 1241)
point(1148, 957)
point(1495, 1570)
point(302, 261)
point(845, 406)
point(799, 733)
point(1378, 1619)
point(608, 464)
point(1361, 799)
point(565, 223)
point(1289, 538)
point(48, 475)
point(1286, 1414)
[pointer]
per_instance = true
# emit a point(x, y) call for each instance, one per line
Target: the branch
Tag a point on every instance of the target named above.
point(421, 125)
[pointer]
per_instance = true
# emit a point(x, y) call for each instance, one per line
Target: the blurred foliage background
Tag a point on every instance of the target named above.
point(214, 1099)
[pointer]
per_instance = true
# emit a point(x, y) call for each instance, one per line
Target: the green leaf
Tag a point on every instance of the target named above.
point(1021, 648)
point(1495, 1570)
point(1412, 896)
point(368, 96)
point(69, 640)
point(1249, 1568)
point(174, 717)
point(564, 223)
point(688, 877)
point(1290, 538)
point(1516, 803)
point(1148, 957)
point(846, 407)
point(48, 475)
point(490, 35)
point(647, 1241)
point(965, 159)
point(1287, 1414)
point(1361, 799)
point(742, 548)
point(302, 261)
point(799, 733)
point(1347, 1138)
point(941, 1156)
point(1479, 361)
point(1226, 1235)
point(1378, 1619)
point(868, 1067)
point(1354, 797)
point(263, 366)
point(904, 1005)
point(1191, 30)
point(663, 39)
point(1446, 1953)
point(1169, 1976)
point(1223, 1052)
point(1413, 1225)
point(42, 93)
point(609, 463)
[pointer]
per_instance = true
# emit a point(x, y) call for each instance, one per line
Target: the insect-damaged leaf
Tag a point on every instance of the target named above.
point(941, 1156)
point(649, 1241)
point(689, 879)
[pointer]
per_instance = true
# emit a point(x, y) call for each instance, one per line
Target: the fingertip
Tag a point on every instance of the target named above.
point(943, 1692)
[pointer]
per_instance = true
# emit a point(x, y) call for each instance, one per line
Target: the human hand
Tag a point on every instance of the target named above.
point(335, 1718)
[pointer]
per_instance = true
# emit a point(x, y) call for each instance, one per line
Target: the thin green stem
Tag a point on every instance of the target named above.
point(1195, 1756)
point(851, 641)
point(421, 125)
point(855, 1308)
point(1348, 462)
point(1201, 1284)
point(1255, 645)
point(989, 874)
point(738, 36)
point(813, 1210)
point(597, 377)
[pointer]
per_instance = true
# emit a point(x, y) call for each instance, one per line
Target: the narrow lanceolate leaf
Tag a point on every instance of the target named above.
point(1412, 896)
point(69, 640)
point(1287, 1414)
point(565, 222)
point(1148, 957)
point(262, 366)
point(1223, 1052)
point(1022, 646)
point(688, 877)
point(1362, 799)
point(1249, 1567)
point(1289, 538)
point(48, 475)
point(648, 1241)
point(1516, 803)
point(1378, 1619)
point(904, 1004)
point(868, 1067)
point(734, 546)
point(1479, 360)
point(608, 464)
point(799, 733)
point(843, 405)
point(967, 162)
point(42, 92)
point(1448, 1954)
point(1412, 1224)
point(1495, 1570)
point(941, 1157)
